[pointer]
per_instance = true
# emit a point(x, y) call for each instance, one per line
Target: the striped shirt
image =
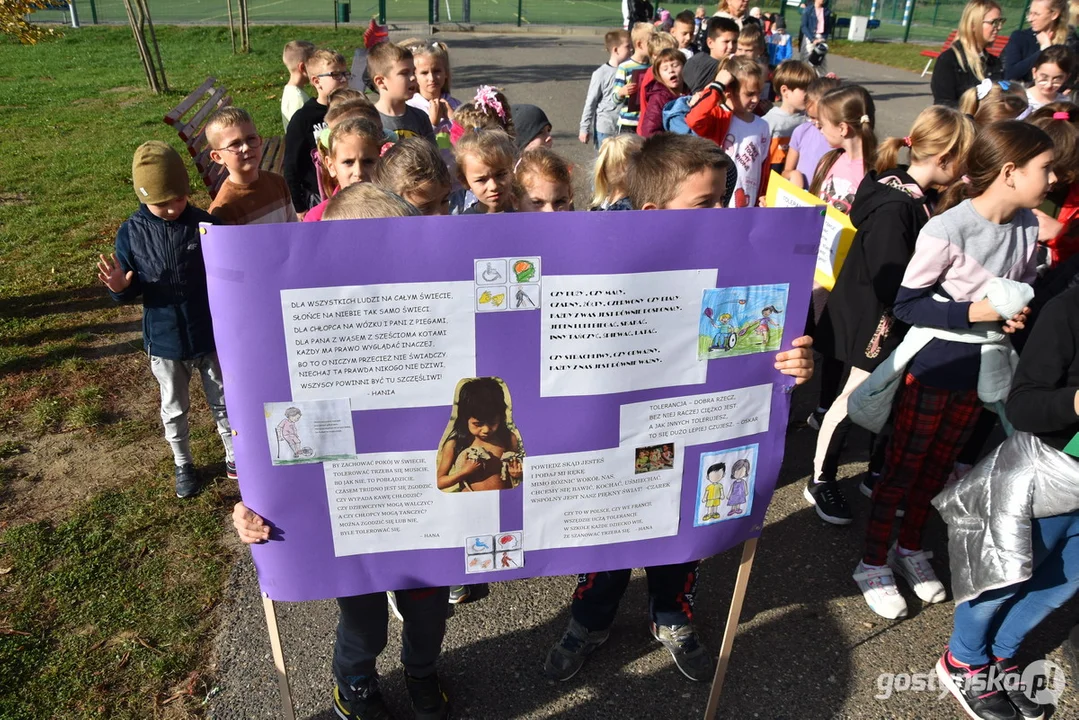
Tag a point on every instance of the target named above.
point(629, 111)
point(267, 200)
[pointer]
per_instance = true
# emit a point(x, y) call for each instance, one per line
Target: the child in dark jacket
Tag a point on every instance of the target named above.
point(159, 256)
point(857, 326)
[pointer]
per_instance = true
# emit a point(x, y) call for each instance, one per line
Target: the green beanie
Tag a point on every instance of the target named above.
point(158, 173)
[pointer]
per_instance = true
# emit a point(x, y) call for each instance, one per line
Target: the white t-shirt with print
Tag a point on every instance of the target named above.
point(747, 144)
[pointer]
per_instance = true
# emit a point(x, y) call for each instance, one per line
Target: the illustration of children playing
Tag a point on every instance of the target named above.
point(763, 326)
point(726, 335)
point(713, 491)
point(738, 495)
point(287, 431)
point(482, 449)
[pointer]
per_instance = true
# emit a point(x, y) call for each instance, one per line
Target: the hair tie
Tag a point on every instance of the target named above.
point(864, 119)
point(983, 88)
point(516, 165)
point(1061, 115)
point(907, 141)
point(486, 97)
point(385, 149)
point(965, 179)
point(1004, 84)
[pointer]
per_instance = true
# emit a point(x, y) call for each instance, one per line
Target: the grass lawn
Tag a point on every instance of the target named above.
point(898, 55)
point(107, 581)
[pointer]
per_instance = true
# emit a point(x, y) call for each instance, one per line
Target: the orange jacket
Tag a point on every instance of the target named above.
point(709, 119)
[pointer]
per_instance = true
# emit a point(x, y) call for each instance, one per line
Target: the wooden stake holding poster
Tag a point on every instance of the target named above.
point(288, 710)
point(749, 551)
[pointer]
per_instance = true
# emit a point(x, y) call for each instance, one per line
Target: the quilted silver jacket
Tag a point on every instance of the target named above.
point(989, 512)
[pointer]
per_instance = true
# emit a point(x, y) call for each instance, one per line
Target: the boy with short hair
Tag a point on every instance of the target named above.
point(249, 196)
point(722, 37)
point(362, 619)
point(790, 79)
point(683, 30)
point(159, 256)
point(668, 172)
point(293, 96)
point(599, 119)
point(328, 72)
point(393, 73)
point(627, 79)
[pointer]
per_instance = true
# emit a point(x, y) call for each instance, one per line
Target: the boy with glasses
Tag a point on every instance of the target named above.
point(328, 72)
point(248, 196)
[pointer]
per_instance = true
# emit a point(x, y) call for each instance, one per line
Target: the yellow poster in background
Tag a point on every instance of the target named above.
point(835, 238)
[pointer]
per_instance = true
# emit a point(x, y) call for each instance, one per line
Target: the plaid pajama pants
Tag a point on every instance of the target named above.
point(931, 427)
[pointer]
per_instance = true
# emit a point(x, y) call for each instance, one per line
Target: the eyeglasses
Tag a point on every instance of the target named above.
point(997, 24)
point(250, 142)
point(1046, 80)
point(337, 75)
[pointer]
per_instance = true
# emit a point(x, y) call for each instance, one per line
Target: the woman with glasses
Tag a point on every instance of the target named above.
point(966, 63)
point(1048, 26)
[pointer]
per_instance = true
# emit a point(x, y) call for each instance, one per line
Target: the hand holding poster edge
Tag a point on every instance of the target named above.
point(832, 249)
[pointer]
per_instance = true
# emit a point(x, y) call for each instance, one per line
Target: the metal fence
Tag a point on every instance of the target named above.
point(930, 20)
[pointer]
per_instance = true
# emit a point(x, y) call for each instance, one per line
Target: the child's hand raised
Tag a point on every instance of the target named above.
point(249, 526)
point(724, 77)
point(114, 277)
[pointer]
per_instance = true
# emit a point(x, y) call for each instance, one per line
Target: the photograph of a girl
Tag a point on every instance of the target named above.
point(481, 448)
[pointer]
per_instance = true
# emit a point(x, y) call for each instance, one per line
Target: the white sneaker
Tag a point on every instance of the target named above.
point(877, 584)
point(916, 570)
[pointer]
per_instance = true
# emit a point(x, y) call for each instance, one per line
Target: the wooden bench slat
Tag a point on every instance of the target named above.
point(218, 99)
point(188, 102)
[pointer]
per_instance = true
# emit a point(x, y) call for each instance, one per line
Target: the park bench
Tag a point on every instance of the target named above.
point(197, 108)
point(843, 23)
point(995, 49)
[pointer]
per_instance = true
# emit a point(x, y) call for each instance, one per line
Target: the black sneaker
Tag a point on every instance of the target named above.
point(429, 702)
point(568, 654)
point(188, 484)
point(692, 658)
point(971, 686)
point(828, 499)
point(230, 470)
point(459, 594)
point(1017, 692)
point(815, 418)
point(361, 701)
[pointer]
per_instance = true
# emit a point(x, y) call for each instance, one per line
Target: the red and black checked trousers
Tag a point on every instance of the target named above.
point(671, 589)
point(931, 427)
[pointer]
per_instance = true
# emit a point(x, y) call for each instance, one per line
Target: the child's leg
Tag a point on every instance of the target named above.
point(997, 621)
point(595, 601)
point(670, 592)
point(954, 425)
point(1054, 582)
point(174, 378)
point(361, 636)
point(917, 416)
point(833, 428)
point(424, 611)
point(214, 388)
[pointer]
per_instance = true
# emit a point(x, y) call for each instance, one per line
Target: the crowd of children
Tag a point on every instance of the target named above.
point(963, 226)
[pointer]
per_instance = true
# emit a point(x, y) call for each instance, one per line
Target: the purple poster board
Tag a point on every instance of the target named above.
point(645, 421)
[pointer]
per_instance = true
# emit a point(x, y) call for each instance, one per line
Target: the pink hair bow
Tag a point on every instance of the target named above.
point(1061, 115)
point(487, 97)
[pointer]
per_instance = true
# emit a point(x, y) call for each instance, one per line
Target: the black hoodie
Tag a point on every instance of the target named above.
point(888, 219)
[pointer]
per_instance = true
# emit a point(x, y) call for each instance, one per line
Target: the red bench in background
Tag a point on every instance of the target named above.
point(995, 49)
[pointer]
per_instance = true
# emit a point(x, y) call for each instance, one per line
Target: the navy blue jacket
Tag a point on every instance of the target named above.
point(170, 275)
point(1022, 51)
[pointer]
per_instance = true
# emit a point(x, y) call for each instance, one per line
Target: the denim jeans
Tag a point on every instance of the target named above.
point(598, 138)
point(996, 622)
point(361, 632)
point(174, 378)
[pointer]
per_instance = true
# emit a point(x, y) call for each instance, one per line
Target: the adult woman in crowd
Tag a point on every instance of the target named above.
point(736, 10)
point(1048, 26)
point(814, 30)
point(966, 63)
